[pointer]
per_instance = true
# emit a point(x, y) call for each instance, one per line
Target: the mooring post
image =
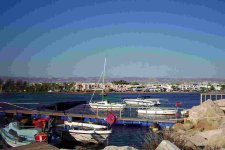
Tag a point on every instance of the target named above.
point(216, 96)
point(210, 96)
point(205, 96)
point(120, 112)
point(97, 113)
point(130, 111)
point(146, 114)
point(201, 98)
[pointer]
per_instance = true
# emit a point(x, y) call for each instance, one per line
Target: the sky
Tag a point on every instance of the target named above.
point(139, 38)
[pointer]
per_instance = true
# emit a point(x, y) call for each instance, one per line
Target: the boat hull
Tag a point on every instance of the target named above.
point(142, 102)
point(86, 132)
point(108, 107)
point(90, 136)
point(157, 112)
point(11, 141)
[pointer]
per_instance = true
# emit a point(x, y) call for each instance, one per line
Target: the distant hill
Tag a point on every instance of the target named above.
point(110, 79)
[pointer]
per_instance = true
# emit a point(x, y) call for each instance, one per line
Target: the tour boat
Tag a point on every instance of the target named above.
point(158, 111)
point(16, 136)
point(105, 102)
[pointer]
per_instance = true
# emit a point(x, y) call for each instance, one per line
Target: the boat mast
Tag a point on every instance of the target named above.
point(103, 78)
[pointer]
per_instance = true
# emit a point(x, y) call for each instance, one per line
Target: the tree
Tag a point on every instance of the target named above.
point(174, 87)
point(134, 83)
point(120, 82)
point(212, 88)
point(222, 87)
point(203, 89)
point(9, 86)
point(1, 84)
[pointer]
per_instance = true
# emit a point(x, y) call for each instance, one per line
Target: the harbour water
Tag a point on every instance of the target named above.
point(122, 135)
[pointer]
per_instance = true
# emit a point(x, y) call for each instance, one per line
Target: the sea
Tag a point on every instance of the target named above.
point(122, 135)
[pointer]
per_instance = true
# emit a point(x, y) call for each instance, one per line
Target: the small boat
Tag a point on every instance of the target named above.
point(86, 132)
point(14, 135)
point(158, 111)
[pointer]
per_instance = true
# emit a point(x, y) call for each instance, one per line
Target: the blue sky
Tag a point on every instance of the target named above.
point(139, 38)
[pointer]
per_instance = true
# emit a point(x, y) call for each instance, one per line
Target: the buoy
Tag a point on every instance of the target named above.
point(178, 104)
point(111, 118)
point(40, 137)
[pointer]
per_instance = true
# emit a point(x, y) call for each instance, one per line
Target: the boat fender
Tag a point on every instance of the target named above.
point(40, 137)
point(111, 118)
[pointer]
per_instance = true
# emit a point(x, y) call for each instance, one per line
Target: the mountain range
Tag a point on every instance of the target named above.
point(110, 79)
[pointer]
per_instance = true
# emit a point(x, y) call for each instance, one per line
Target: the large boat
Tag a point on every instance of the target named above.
point(144, 101)
point(16, 136)
point(105, 102)
point(158, 111)
point(86, 132)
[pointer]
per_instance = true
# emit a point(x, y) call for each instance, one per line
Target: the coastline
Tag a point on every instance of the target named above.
point(176, 92)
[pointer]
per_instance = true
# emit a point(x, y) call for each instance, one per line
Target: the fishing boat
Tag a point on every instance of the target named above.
point(105, 102)
point(158, 111)
point(14, 135)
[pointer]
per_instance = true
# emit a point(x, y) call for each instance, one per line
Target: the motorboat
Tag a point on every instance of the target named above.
point(105, 103)
point(158, 111)
point(14, 135)
point(87, 132)
point(144, 101)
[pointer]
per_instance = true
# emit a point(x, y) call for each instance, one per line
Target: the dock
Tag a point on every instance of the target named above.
point(8, 108)
point(35, 146)
point(212, 96)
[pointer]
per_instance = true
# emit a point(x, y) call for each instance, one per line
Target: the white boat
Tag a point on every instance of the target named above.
point(15, 136)
point(105, 103)
point(143, 101)
point(158, 111)
point(87, 133)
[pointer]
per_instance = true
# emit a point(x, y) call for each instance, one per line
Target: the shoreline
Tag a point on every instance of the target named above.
point(182, 92)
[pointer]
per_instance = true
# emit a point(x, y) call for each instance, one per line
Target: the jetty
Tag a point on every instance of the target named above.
point(212, 96)
point(9, 108)
point(35, 146)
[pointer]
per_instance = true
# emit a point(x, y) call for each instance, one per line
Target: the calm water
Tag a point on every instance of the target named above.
point(122, 135)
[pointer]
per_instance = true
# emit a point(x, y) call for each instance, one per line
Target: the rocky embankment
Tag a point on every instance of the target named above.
point(203, 129)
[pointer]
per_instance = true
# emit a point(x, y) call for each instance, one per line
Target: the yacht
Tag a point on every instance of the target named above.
point(105, 102)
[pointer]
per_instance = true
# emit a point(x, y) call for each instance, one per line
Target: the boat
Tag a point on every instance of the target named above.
point(87, 132)
point(105, 102)
point(14, 135)
point(144, 101)
point(158, 111)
